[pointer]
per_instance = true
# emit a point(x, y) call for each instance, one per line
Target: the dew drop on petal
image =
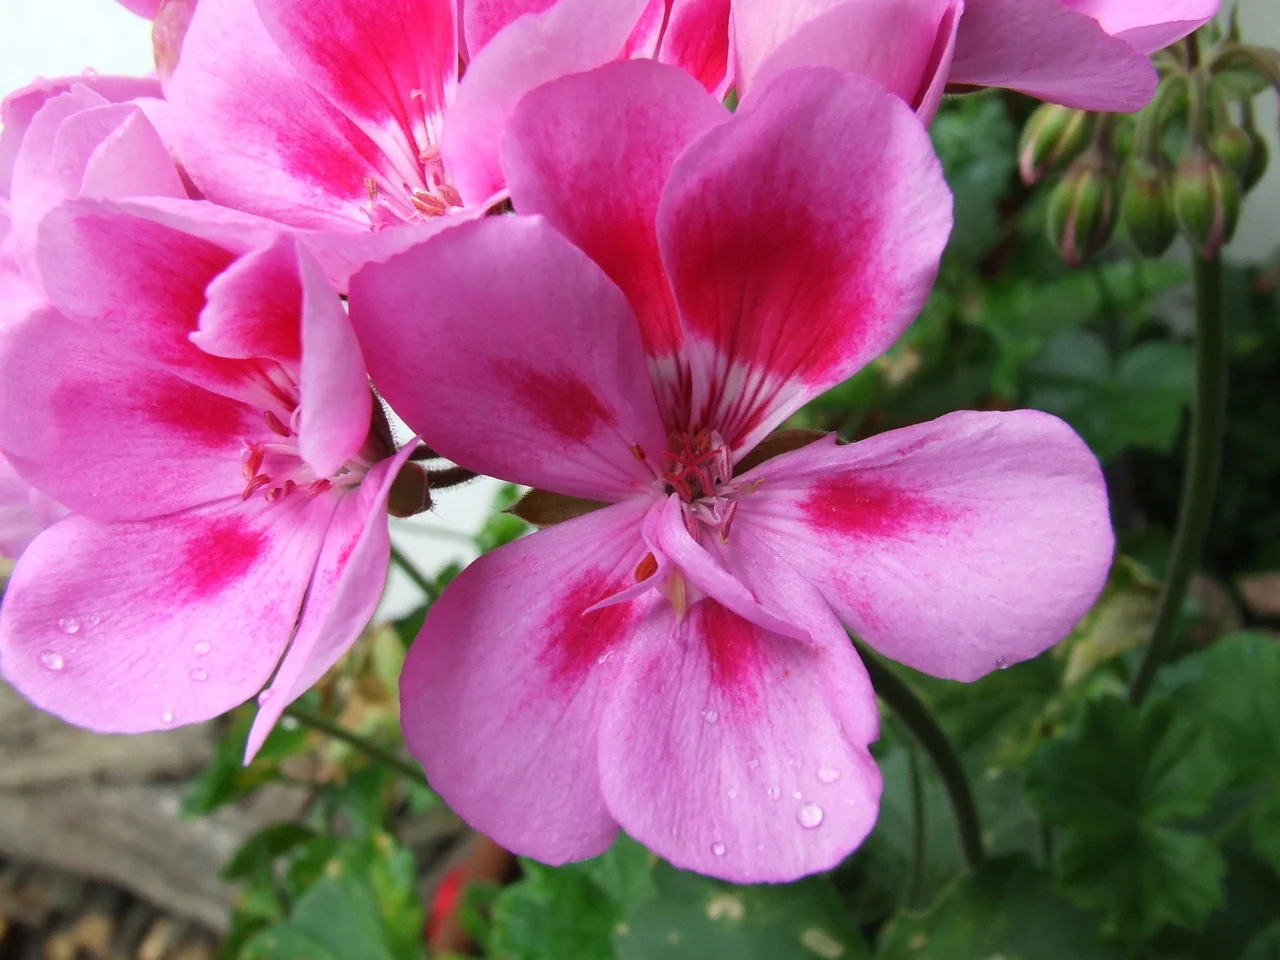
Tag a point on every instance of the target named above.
point(718, 849)
point(710, 716)
point(774, 793)
point(201, 648)
point(797, 795)
point(166, 717)
point(1002, 663)
point(732, 794)
point(264, 696)
point(52, 660)
point(753, 764)
point(199, 676)
point(828, 774)
point(69, 625)
point(810, 815)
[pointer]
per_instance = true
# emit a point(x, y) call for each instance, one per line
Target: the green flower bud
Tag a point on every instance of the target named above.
point(1052, 138)
point(1244, 152)
point(1206, 200)
point(1146, 207)
point(1082, 209)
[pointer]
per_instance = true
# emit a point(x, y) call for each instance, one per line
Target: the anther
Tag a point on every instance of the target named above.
point(429, 204)
point(252, 462)
point(371, 188)
point(256, 484)
point(276, 425)
point(273, 495)
point(450, 194)
point(637, 451)
point(646, 568)
point(318, 487)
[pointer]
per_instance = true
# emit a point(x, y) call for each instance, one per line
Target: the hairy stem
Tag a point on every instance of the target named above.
point(913, 712)
point(380, 755)
point(1204, 460)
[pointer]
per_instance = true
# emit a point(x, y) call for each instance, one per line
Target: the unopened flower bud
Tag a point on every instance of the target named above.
point(1244, 152)
point(1146, 207)
point(1052, 138)
point(1206, 200)
point(1082, 209)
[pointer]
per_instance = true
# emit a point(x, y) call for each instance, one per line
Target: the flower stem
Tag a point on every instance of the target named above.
point(387, 758)
point(1204, 460)
point(414, 574)
point(913, 712)
point(919, 828)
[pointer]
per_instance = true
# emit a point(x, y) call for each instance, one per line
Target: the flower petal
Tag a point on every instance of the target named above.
point(801, 239)
point(391, 66)
point(1045, 49)
point(696, 39)
point(1148, 25)
point(336, 402)
point(254, 136)
point(569, 37)
point(955, 547)
point(19, 524)
point(889, 41)
point(129, 627)
point(506, 682)
point(736, 752)
point(140, 284)
point(110, 438)
point(482, 19)
point(344, 592)
point(564, 159)
point(510, 353)
point(21, 106)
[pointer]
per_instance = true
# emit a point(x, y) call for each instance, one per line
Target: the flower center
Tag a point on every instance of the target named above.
point(424, 194)
point(696, 466)
point(273, 463)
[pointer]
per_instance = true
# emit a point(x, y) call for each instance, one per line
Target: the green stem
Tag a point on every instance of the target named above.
point(919, 835)
point(1204, 460)
point(913, 712)
point(414, 574)
point(387, 758)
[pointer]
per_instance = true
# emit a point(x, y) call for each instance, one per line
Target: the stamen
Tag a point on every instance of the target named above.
point(253, 462)
point(429, 204)
point(646, 568)
point(371, 188)
point(450, 194)
point(637, 451)
point(318, 487)
point(256, 484)
point(275, 424)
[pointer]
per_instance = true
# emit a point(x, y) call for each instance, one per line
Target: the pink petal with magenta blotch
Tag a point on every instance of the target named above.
point(956, 546)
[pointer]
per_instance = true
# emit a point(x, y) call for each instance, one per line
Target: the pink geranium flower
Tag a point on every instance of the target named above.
point(674, 663)
point(199, 402)
point(1091, 54)
point(351, 114)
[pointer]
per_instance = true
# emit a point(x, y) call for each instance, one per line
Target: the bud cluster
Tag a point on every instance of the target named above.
point(1181, 166)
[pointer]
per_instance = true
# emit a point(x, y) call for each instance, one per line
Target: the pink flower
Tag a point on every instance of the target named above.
point(349, 114)
point(690, 34)
point(674, 663)
point(200, 404)
point(1091, 54)
point(86, 136)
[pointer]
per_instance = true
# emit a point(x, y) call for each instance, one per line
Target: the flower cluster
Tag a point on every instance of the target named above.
point(540, 232)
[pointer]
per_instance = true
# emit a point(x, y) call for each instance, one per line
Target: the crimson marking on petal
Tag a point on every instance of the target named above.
point(733, 648)
point(860, 506)
point(221, 556)
point(563, 401)
point(577, 642)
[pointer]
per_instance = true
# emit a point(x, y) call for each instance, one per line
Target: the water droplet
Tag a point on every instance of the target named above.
point(732, 794)
point(93, 620)
point(810, 815)
point(1002, 663)
point(828, 774)
point(264, 696)
point(52, 660)
point(753, 764)
point(199, 676)
point(797, 795)
point(718, 849)
point(201, 648)
point(710, 716)
point(69, 625)
point(166, 717)
point(774, 793)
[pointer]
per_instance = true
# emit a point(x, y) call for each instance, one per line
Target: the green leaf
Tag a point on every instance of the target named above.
point(342, 914)
point(1118, 784)
point(1264, 827)
point(284, 941)
point(697, 918)
point(1136, 401)
point(1240, 695)
point(1265, 946)
point(263, 847)
point(554, 914)
point(1010, 909)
